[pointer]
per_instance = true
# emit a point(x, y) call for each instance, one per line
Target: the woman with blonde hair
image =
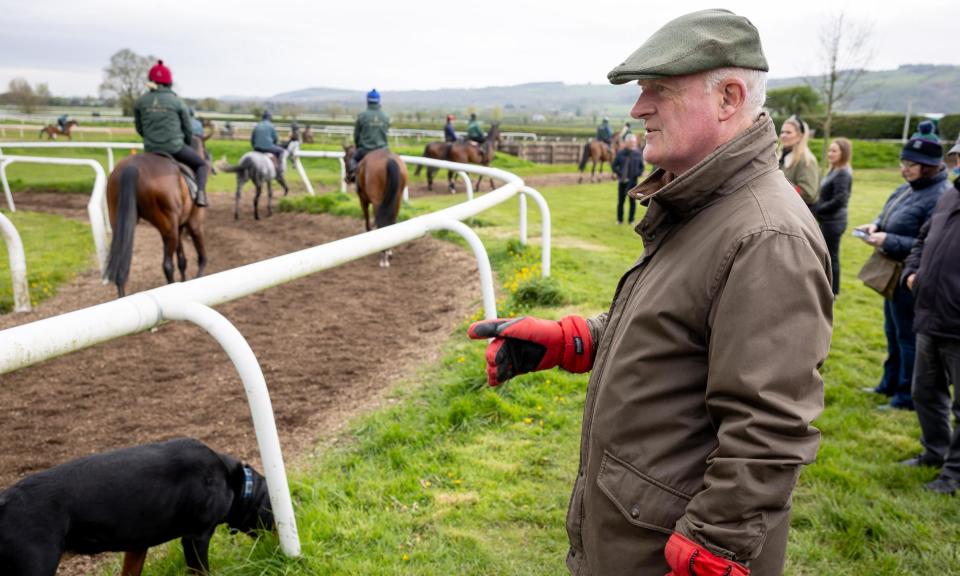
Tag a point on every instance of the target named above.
point(797, 162)
point(830, 209)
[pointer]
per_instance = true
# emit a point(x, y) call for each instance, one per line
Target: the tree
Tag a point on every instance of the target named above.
point(21, 94)
point(802, 100)
point(845, 53)
point(126, 78)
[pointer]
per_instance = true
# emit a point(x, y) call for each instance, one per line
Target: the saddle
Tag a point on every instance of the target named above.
point(185, 171)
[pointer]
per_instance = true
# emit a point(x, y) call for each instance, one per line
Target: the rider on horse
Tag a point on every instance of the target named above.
point(604, 133)
point(449, 132)
point(474, 131)
point(625, 131)
point(369, 132)
point(62, 122)
point(264, 138)
point(163, 121)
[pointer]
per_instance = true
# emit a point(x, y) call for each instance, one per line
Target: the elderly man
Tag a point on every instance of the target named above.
point(705, 369)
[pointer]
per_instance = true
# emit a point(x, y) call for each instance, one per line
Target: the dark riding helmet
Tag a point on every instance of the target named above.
point(473, 116)
point(266, 115)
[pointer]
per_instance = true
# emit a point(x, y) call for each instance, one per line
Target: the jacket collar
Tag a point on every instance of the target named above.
point(726, 169)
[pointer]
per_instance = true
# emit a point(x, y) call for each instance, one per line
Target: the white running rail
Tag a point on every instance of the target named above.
point(18, 264)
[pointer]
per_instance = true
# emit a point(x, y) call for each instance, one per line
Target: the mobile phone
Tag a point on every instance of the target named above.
point(862, 234)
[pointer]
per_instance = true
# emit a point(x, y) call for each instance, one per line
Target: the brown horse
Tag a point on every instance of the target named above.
point(437, 151)
point(150, 186)
point(467, 152)
point(381, 177)
point(52, 130)
point(307, 135)
point(595, 151)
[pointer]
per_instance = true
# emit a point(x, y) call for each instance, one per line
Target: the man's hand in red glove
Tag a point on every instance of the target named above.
point(525, 344)
point(686, 558)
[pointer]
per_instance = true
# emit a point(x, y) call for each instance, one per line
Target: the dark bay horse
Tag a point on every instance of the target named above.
point(471, 153)
point(595, 151)
point(150, 186)
point(437, 151)
point(381, 178)
point(52, 130)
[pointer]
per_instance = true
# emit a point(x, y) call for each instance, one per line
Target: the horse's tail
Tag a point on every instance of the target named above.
point(121, 247)
point(42, 130)
point(385, 212)
point(586, 155)
point(223, 166)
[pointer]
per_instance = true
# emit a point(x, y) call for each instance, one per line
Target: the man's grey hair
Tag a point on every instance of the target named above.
point(756, 81)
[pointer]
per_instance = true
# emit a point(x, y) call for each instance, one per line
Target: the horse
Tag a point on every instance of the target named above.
point(53, 130)
point(381, 177)
point(151, 186)
point(483, 154)
point(259, 167)
point(307, 135)
point(437, 151)
point(596, 151)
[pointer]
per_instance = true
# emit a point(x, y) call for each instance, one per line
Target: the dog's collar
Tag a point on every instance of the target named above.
point(247, 483)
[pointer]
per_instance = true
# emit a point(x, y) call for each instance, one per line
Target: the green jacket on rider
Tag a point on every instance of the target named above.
point(371, 128)
point(162, 119)
point(264, 135)
point(475, 131)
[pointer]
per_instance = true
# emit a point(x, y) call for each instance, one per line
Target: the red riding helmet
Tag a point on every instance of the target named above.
point(450, 117)
point(160, 74)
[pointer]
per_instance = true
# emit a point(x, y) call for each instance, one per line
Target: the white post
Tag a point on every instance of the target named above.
point(6, 186)
point(18, 265)
point(523, 219)
point(261, 409)
point(406, 194)
point(544, 227)
point(110, 160)
point(483, 262)
point(303, 175)
point(343, 175)
point(467, 183)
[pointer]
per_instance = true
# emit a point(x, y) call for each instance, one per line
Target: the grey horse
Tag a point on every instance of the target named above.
point(260, 168)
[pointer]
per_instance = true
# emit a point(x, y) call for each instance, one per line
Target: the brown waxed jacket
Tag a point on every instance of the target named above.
point(706, 379)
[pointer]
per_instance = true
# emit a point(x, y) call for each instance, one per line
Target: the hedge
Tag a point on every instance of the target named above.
point(876, 126)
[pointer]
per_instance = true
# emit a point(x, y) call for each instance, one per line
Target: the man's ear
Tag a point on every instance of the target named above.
point(732, 97)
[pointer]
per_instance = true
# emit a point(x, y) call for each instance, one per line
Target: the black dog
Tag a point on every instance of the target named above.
point(127, 501)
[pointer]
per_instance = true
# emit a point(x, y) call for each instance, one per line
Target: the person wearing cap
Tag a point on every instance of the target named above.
point(798, 163)
point(475, 131)
point(894, 232)
point(604, 133)
point(705, 377)
point(449, 132)
point(931, 273)
point(264, 138)
point(370, 131)
point(62, 121)
point(163, 121)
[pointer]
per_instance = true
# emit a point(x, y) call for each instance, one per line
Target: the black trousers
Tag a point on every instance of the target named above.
point(937, 366)
point(622, 188)
point(192, 158)
point(832, 233)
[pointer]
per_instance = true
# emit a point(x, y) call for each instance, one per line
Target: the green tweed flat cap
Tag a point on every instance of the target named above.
point(695, 42)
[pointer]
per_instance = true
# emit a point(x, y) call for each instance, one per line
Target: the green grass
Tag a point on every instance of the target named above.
point(56, 249)
point(458, 478)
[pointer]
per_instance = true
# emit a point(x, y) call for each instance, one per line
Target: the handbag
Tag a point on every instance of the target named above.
point(881, 274)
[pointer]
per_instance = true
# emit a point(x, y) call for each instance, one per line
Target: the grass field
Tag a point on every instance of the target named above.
point(458, 478)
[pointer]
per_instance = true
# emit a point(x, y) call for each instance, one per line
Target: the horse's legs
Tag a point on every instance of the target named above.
point(195, 227)
point(477, 187)
point(270, 198)
point(365, 204)
point(283, 182)
point(181, 257)
point(450, 183)
point(236, 201)
point(256, 198)
point(430, 172)
point(171, 240)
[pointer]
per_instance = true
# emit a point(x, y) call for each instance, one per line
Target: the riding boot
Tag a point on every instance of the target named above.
point(201, 200)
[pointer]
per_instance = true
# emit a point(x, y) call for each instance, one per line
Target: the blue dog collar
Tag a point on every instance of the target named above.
point(247, 483)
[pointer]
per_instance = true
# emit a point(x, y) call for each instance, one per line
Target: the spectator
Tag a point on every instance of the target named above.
point(799, 165)
point(933, 276)
point(704, 370)
point(894, 232)
point(628, 166)
point(830, 208)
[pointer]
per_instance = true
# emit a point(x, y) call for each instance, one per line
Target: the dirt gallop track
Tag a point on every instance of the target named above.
point(329, 345)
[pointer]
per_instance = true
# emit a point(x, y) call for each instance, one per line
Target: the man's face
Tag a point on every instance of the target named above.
point(681, 120)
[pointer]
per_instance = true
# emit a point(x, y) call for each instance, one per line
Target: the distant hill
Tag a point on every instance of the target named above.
point(933, 88)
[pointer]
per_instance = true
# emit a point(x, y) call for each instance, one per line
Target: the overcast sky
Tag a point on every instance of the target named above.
point(220, 47)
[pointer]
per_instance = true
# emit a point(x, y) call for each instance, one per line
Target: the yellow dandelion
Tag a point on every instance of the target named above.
point(406, 557)
point(528, 420)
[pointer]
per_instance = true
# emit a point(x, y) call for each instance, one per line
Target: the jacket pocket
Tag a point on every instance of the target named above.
point(643, 500)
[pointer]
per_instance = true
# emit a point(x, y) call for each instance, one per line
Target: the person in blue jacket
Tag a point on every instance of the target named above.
point(264, 138)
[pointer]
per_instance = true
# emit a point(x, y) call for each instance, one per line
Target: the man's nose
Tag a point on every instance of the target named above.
point(641, 109)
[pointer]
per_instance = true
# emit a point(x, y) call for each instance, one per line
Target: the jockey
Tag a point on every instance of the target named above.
point(264, 138)
point(163, 121)
point(625, 131)
point(604, 134)
point(474, 131)
point(62, 122)
point(195, 124)
point(449, 132)
point(370, 130)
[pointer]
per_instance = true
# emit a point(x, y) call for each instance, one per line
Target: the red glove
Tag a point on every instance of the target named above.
point(525, 344)
point(687, 558)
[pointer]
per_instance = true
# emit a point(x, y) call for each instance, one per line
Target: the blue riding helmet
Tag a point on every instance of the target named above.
point(266, 115)
point(373, 97)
